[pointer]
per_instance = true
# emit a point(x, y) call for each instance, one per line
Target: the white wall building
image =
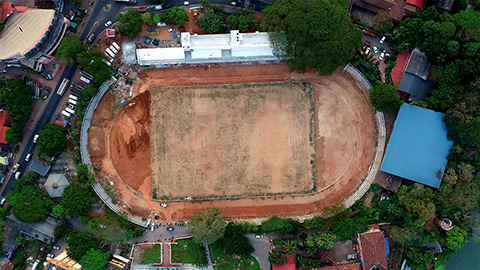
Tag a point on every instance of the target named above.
point(218, 48)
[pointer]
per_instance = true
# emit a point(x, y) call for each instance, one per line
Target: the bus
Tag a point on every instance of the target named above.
point(63, 86)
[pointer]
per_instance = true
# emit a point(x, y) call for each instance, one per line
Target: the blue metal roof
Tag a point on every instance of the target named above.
point(418, 147)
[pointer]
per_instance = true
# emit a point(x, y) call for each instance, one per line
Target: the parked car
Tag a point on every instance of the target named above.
point(56, 247)
point(259, 236)
point(171, 30)
point(17, 175)
point(233, 3)
point(158, 7)
point(170, 228)
point(381, 56)
point(15, 168)
point(107, 24)
point(186, 3)
point(368, 43)
point(35, 138)
point(91, 38)
point(3, 201)
point(49, 255)
point(375, 50)
point(27, 158)
point(367, 51)
point(164, 205)
point(382, 40)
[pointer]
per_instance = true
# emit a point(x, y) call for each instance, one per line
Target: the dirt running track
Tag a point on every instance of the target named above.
point(119, 144)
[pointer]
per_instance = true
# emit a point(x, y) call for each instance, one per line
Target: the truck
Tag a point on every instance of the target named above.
point(66, 114)
point(107, 63)
point(85, 80)
point(116, 46)
point(110, 53)
point(113, 49)
point(70, 110)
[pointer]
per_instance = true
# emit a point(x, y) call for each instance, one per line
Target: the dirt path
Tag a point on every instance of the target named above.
point(344, 150)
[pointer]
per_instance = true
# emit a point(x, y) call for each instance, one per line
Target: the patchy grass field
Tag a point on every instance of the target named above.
point(152, 255)
point(231, 141)
point(227, 262)
point(189, 252)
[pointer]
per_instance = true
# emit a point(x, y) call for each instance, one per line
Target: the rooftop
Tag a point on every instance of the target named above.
point(39, 168)
point(415, 86)
point(43, 231)
point(400, 66)
point(418, 147)
point(55, 185)
point(418, 64)
point(372, 246)
point(23, 30)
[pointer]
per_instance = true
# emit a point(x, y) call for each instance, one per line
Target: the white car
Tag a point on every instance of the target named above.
point(35, 138)
point(27, 158)
point(382, 40)
point(381, 56)
point(49, 255)
point(375, 50)
point(56, 247)
point(107, 24)
point(186, 3)
point(259, 236)
point(367, 50)
point(164, 205)
point(171, 30)
point(158, 7)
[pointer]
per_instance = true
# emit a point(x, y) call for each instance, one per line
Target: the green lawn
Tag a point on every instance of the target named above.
point(152, 255)
point(189, 252)
point(227, 262)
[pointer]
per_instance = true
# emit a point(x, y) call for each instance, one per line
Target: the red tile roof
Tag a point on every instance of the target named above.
point(290, 265)
point(400, 66)
point(8, 266)
point(372, 246)
point(60, 123)
point(3, 133)
point(417, 3)
point(5, 119)
point(350, 266)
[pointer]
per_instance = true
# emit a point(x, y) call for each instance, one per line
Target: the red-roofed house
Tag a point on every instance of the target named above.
point(417, 3)
point(372, 250)
point(5, 124)
point(290, 265)
point(7, 266)
point(400, 66)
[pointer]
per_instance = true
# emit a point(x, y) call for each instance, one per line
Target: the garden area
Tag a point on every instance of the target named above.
point(152, 255)
point(226, 261)
point(187, 251)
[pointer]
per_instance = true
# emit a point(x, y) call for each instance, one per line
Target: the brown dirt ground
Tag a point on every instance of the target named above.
point(246, 131)
point(344, 150)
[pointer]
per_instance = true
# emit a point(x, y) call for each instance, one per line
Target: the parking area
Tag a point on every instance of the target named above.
point(381, 51)
point(262, 249)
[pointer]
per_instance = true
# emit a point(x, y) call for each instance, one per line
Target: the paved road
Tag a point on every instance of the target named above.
point(160, 234)
point(262, 249)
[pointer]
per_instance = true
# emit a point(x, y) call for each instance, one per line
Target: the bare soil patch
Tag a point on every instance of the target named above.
point(236, 141)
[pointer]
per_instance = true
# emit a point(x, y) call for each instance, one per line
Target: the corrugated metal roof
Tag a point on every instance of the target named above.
point(399, 69)
point(417, 3)
point(418, 147)
point(415, 86)
point(23, 30)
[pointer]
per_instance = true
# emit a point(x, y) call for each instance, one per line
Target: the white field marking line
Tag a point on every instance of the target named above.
point(203, 141)
point(289, 144)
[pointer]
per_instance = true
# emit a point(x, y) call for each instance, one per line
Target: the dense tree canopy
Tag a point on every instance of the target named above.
point(95, 259)
point(175, 15)
point(234, 241)
point(456, 238)
point(212, 22)
point(79, 244)
point(69, 48)
point(77, 200)
point(16, 95)
point(52, 140)
point(384, 98)
point(92, 62)
point(242, 21)
point(207, 227)
point(278, 259)
point(280, 226)
point(315, 34)
point(130, 23)
point(28, 203)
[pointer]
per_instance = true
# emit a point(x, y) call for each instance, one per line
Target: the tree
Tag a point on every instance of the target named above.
point(92, 62)
point(95, 259)
point(69, 48)
point(79, 244)
point(290, 246)
point(29, 205)
point(86, 95)
point(77, 200)
point(345, 229)
point(456, 238)
point(325, 240)
point(16, 95)
point(315, 34)
point(76, 3)
point(147, 18)
point(175, 15)
point(130, 23)
point(212, 22)
point(52, 140)
point(277, 258)
point(59, 211)
point(315, 223)
point(418, 257)
point(234, 241)
point(384, 98)
point(280, 226)
point(418, 201)
point(382, 22)
point(242, 21)
point(207, 227)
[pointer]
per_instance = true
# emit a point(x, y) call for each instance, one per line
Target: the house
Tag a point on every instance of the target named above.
point(290, 265)
point(348, 266)
point(410, 74)
point(117, 263)
point(43, 231)
point(30, 36)
point(5, 124)
point(62, 262)
point(55, 185)
point(418, 147)
point(39, 167)
point(445, 4)
point(372, 250)
point(397, 9)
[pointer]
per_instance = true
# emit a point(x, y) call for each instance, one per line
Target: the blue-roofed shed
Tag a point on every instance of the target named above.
point(418, 147)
